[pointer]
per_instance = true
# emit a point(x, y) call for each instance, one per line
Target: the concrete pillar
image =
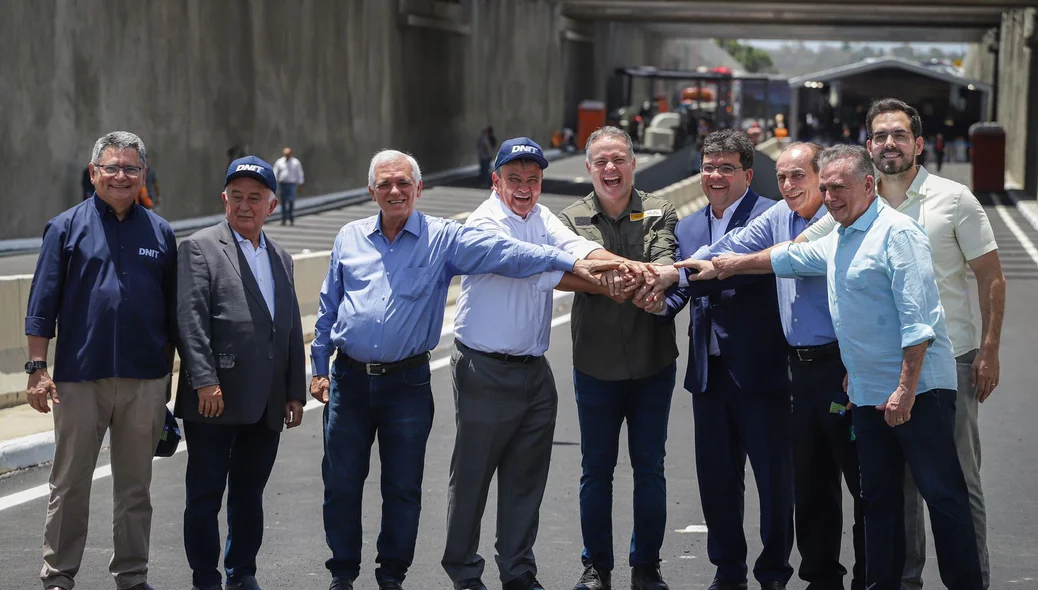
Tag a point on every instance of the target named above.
point(794, 113)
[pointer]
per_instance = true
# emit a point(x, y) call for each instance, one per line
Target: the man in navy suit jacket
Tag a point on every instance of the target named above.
point(738, 375)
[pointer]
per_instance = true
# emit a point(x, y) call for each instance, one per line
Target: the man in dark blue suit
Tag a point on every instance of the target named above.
point(738, 376)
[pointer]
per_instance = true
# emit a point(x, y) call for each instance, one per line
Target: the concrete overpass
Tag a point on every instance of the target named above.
point(876, 20)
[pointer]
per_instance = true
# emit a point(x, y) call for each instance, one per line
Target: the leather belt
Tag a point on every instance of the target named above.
point(379, 369)
point(500, 356)
point(807, 354)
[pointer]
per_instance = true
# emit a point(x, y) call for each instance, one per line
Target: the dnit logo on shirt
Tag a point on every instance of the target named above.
point(148, 252)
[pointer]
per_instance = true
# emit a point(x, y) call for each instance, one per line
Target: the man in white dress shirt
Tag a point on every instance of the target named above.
point(504, 391)
point(289, 172)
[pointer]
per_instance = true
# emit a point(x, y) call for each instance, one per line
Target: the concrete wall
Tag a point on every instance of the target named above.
point(335, 79)
point(1017, 106)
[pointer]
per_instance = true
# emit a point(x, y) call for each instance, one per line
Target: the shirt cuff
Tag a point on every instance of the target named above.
point(547, 281)
point(780, 262)
point(913, 334)
point(683, 274)
point(563, 261)
point(37, 326)
point(319, 363)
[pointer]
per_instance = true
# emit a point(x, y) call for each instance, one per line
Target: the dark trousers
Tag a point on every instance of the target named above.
point(398, 409)
point(732, 424)
point(484, 172)
point(288, 202)
point(602, 408)
point(823, 455)
point(505, 417)
point(927, 443)
point(239, 458)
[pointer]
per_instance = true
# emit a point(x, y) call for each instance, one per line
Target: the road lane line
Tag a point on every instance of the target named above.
point(1018, 233)
point(41, 491)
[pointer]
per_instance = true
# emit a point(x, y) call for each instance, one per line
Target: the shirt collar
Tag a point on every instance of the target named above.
point(241, 238)
point(104, 208)
point(730, 210)
point(412, 226)
point(917, 190)
point(864, 222)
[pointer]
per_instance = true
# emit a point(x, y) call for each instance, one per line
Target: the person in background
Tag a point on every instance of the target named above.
point(290, 176)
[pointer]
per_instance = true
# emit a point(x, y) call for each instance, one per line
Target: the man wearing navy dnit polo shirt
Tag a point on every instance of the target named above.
point(106, 276)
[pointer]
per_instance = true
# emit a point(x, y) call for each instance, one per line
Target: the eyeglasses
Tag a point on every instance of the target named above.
point(723, 170)
point(113, 169)
point(900, 136)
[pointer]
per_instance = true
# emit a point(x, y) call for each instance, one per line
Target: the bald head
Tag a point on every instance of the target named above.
point(796, 171)
point(287, 152)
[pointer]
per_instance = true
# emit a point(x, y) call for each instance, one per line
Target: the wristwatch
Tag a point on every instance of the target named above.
point(33, 366)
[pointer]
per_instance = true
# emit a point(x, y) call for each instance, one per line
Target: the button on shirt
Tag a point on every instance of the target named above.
point(718, 227)
point(803, 301)
point(109, 287)
point(259, 264)
point(959, 231)
point(289, 170)
point(384, 302)
point(506, 315)
point(882, 298)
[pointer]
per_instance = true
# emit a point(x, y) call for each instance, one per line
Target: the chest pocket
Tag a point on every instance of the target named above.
point(413, 283)
point(637, 245)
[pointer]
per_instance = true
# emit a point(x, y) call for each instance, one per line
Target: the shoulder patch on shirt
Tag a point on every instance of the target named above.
point(582, 220)
point(649, 213)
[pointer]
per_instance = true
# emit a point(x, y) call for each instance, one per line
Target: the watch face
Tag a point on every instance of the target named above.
point(28, 367)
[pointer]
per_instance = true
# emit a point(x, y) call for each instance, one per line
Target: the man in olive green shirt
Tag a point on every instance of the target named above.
point(624, 367)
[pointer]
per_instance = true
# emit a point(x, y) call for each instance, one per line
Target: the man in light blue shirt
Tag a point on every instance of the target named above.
point(888, 317)
point(381, 307)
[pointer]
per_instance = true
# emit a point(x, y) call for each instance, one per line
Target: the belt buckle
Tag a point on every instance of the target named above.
point(374, 369)
point(801, 356)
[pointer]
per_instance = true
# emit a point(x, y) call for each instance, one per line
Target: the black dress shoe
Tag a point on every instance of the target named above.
point(470, 584)
point(723, 585)
point(772, 586)
point(647, 577)
point(141, 586)
point(341, 584)
point(246, 583)
point(527, 581)
point(213, 587)
point(390, 585)
point(594, 579)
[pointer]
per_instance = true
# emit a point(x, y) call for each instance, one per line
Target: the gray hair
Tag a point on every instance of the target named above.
point(860, 160)
point(608, 132)
point(119, 140)
point(386, 156)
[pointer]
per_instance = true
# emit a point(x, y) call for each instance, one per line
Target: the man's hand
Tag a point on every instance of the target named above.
point(592, 270)
point(319, 388)
point(293, 413)
point(985, 373)
point(897, 410)
point(725, 265)
point(705, 269)
point(39, 390)
point(650, 298)
point(210, 401)
point(665, 276)
point(621, 281)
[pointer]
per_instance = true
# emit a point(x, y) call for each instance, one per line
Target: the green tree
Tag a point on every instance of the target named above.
point(755, 60)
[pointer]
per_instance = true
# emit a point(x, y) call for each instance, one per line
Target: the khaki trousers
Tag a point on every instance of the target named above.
point(134, 411)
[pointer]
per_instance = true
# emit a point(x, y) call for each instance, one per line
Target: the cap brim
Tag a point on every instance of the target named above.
point(248, 174)
point(540, 160)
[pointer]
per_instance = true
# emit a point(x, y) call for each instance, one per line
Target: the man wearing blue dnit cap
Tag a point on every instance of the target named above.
point(504, 389)
point(242, 373)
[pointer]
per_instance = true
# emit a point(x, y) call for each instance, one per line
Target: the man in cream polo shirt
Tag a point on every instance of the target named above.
point(960, 235)
point(504, 390)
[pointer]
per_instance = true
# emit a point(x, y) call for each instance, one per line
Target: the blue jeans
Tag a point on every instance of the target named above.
point(398, 409)
point(240, 458)
point(927, 443)
point(288, 201)
point(602, 407)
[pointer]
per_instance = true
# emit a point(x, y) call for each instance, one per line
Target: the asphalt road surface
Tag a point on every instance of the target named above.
point(294, 549)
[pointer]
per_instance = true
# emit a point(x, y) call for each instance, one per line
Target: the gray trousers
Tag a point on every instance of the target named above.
point(134, 411)
point(967, 444)
point(505, 415)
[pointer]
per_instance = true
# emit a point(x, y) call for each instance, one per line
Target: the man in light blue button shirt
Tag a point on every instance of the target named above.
point(888, 318)
point(381, 308)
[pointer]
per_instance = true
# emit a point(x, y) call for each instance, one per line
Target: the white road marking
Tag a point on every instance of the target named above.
point(1018, 233)
point(693, 528)
point(41, 491)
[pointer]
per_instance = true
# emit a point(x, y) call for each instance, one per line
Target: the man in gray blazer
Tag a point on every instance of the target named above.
point(242, 373)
